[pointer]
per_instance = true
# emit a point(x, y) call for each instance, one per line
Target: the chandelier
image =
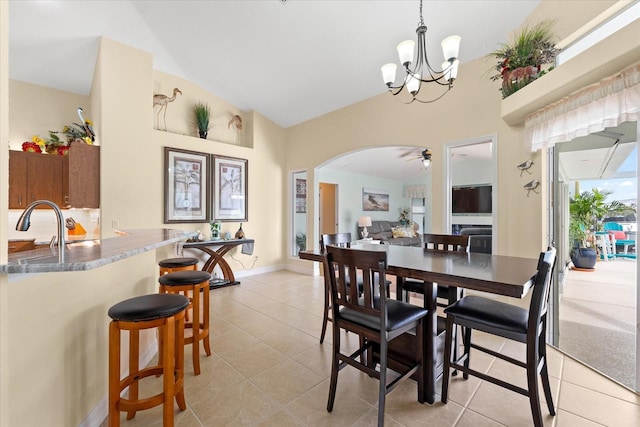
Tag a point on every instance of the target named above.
point(421, 71)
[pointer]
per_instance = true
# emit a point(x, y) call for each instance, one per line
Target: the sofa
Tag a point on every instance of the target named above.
point(385, 231)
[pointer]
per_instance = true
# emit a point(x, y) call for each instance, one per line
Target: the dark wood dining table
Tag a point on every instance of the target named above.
point(497, 274)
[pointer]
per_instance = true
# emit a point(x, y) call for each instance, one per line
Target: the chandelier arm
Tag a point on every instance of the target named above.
point(433, 100)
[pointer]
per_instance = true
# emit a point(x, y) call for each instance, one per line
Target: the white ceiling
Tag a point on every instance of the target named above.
point(289, 61)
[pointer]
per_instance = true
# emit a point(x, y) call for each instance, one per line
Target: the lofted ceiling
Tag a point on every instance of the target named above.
point(291, 61)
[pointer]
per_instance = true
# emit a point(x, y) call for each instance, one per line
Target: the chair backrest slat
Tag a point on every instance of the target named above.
point(445, 242)
point(345, 265)
point(541, 287)
point(339, 239)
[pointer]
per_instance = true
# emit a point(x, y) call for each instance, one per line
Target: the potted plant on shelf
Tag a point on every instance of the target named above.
point(520, 61)
point(201, 118)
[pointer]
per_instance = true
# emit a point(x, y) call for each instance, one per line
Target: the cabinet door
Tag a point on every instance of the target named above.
point(81, 176)
point(45, 178)
point(18, 179)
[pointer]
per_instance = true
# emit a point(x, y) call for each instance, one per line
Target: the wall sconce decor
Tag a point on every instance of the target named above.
point(531, 186)
point(525, 167)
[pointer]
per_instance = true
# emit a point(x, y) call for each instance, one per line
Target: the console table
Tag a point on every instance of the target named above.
point(216, 249)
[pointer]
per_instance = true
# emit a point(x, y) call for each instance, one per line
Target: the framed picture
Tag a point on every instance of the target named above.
point(375, 200)
point(186, 186)
point(301, 195)
point(230, 189)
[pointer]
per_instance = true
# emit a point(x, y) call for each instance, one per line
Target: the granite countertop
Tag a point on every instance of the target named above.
point(90, 254)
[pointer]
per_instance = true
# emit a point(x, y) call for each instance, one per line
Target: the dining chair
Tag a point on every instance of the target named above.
point(342, 240)
point(511, 322)
point(376, 318)
point(437, 242)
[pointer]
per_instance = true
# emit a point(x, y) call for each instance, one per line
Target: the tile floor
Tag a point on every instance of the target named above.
point(268, 368)
point(598, 318)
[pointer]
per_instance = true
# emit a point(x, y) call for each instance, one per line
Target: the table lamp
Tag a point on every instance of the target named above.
point(364, 222)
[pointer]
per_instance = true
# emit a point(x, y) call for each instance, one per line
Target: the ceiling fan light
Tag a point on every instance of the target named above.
point(426, 162)
point(405, 52)
point(389, 73)
point(451, 48)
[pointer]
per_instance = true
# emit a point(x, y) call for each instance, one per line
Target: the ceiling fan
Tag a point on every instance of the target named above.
point(425, 156)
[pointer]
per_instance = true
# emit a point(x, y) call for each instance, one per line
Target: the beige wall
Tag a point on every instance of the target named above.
point(4, 205)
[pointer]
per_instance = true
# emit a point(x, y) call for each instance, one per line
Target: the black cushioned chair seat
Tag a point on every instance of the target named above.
point(188, 277)
point(148, 307)
point(491, 316)
point(399, 314)
point(178, 262)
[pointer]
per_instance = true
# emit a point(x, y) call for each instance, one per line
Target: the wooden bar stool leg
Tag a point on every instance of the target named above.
point(205, 325)
point(114, 374)
point(134, 351)
point(195, 330)
point(168, 366)
point(179, 368)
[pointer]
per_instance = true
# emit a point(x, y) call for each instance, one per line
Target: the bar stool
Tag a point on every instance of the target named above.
point(196, 282)
point(171, 265)
point(162, 311)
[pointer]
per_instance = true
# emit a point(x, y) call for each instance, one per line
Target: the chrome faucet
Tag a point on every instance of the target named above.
point(24, 222)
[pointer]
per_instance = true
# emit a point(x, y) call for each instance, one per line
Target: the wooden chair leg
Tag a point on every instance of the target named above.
point(179, 366)
point(195, 333)
point(205, 320)
point(544, 373)
point(532, 384)
point(382, 391)
point(447, 359)
point(325, 317)
point(334, 369)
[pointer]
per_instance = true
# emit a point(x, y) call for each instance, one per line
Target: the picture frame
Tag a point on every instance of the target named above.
point(375, 200)
point(186, 186)
point(301, 195)
point(230, 198)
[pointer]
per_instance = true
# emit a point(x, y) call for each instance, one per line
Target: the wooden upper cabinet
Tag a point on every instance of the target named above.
point(34, 176)
point(81, 176)
point(68, 181)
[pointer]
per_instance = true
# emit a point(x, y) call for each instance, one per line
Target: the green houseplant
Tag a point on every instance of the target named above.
point(586, 213)
point(520, 61)
point(201, 118)
point(301, 241)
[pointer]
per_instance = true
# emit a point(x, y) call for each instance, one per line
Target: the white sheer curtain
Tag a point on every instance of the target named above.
point(415, 191)
point(607, 103)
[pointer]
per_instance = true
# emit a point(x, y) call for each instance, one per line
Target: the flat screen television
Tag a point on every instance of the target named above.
point(471, 199)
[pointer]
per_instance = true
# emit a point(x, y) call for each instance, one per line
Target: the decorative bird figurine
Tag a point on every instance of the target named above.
point(525, 167)
point(236, 122)
point(163, 101)
point(531, 186)
point(86, 125)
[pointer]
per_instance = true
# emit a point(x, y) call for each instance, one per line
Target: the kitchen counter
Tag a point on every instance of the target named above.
point(90, 254)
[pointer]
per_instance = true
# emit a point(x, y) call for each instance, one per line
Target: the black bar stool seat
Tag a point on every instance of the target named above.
point(171, 265)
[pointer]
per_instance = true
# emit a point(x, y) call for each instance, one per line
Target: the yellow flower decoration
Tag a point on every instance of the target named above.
point(38, 140)
point(89, 122)
point(88, 140)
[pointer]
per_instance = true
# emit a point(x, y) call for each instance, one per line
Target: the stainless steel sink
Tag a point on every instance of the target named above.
point(83, 243)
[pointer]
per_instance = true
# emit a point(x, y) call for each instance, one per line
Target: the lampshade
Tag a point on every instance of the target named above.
point(364, 221)
point(405, 51)
point(389, 73)
point(451, 47)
